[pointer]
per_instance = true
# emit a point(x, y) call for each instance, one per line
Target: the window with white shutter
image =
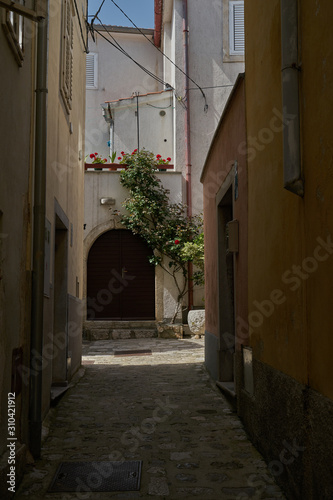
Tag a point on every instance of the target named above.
point(236, 27)
point(91, 70)
point(66, 76)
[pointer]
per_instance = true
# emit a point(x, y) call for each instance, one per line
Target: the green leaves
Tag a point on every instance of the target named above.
point(113, 156)
point(163, 225)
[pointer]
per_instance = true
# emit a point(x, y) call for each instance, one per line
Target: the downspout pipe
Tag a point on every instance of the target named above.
point(137, 119)
point(158, 4)
point(187, 138)
point(292, 172)
point(37, 299)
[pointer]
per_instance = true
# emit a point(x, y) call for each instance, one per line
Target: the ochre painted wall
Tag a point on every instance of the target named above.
point(289, 306)
point(317, 148)
point(227, 147)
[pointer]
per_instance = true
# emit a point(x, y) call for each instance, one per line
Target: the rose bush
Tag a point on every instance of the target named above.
point(163, 225)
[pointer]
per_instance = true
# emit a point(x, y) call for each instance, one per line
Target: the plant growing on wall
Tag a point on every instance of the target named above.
point(174, 238)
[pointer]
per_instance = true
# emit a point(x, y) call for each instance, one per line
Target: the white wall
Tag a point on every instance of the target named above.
point(208, 68)
point(99, 218)
point(118, 77)
point(155, 124)
point(106, 184)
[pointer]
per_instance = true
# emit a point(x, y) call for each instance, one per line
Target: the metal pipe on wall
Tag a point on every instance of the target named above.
point(292, 172)
point(37, 299)
point(137, 119)
point(187, 137)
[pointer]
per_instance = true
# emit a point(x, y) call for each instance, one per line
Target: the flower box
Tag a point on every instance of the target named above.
point(118, 166)
point(104, 166)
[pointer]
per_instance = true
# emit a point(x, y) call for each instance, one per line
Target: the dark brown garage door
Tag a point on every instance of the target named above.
point(120, 279)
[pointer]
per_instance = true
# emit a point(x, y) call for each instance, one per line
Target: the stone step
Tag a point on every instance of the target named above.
point(114, 330)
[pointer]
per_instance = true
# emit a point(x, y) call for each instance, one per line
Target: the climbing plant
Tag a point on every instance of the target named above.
point(175, 238)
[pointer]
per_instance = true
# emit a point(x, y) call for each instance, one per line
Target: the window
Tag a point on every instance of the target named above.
point(13, 26)
point(66, 75)
point(91, 70)
point(236, 27)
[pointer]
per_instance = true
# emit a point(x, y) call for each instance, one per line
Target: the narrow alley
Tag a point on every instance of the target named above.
point(158, 406)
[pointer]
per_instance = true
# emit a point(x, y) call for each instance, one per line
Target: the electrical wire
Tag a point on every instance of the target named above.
point(159, 107)
point(116, 45)
point(85, 43)
point(95, 16)
point(214, 87)
point(163, 54)
point(123, 51)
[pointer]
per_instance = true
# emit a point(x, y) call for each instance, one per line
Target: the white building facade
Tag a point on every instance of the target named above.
point(168, 100)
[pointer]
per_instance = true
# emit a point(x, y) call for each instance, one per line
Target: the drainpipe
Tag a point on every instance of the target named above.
point(37, 299)
point(187, 137)
point(137, 119)
point(292, 174)
point(158, 22)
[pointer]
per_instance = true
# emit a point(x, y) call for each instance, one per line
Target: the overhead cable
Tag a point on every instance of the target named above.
point(85, 42)
point(161, 51)
point(159, 107)
point(95, 16)
point(116, 45)
point(123, 51)
point(215, 86)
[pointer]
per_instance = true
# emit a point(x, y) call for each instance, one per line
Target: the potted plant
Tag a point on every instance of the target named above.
point(96, 159)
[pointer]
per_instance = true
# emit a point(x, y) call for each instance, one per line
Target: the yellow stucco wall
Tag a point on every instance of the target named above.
point(65, 186)
point(316, 107)
point(291, 329)
point(65, 173)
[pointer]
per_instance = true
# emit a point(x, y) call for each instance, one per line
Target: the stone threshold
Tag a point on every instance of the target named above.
point(115, 330)
point(228, 389)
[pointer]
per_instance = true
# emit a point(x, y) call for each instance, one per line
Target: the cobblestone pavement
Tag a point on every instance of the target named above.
point(162, 409)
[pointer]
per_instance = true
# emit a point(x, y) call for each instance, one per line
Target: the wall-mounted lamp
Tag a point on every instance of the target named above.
point(108, 201)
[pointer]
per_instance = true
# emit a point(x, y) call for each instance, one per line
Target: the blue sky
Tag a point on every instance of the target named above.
point(140, 11)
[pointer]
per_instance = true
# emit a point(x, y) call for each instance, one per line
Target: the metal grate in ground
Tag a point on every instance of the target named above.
point(97, 477)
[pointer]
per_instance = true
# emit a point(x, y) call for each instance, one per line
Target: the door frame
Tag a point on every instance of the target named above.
point(89, 240)
point(60, 296)
point(226, 308)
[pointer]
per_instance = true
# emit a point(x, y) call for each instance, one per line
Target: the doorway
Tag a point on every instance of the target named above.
point(60, 339)
point(226, 287)
point(120, 278)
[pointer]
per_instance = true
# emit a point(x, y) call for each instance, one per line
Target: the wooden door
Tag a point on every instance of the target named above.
point(120, 279)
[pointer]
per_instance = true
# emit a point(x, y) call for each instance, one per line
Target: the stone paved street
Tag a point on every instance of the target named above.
point(162, 409)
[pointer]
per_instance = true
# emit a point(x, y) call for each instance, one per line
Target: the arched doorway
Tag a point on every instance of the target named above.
point(120, 279)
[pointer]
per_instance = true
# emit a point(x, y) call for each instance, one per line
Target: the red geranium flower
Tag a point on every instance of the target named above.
point(169, 159)
point(122, 153)
point(92, 155)
point(119, 157)
point(105, 160)
point(135, 150)
point(177, 242)
point(158, 156)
